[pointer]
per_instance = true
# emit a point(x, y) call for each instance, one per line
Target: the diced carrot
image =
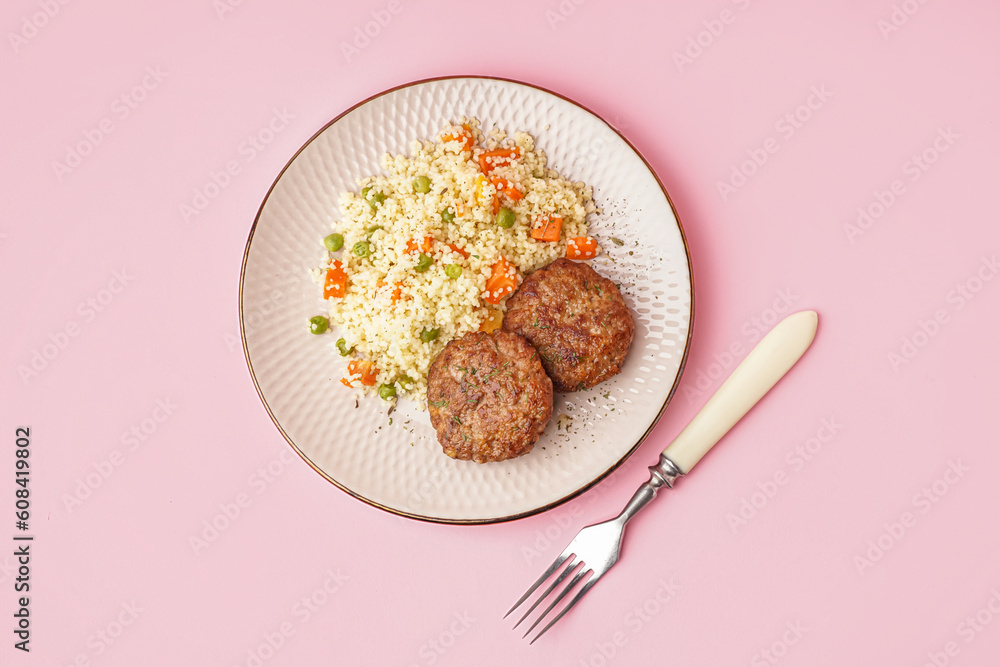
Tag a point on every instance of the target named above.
point(465, 136)
point(481, 182)
point(459, 207)
point(455, 248)
point(581, 247)
point(396, 293)
point(492, 322)
point(336, 281)
point(346, 383)
point(478, 192)
point(500, 157)
point(424, 246)
point(547, 228)
point(365, 369)
point(507, 187)
point(502, 280)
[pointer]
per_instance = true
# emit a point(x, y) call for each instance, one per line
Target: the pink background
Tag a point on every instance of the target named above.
point(845, 562)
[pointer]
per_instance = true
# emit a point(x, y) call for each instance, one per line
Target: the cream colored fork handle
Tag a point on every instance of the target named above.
point(756, 374)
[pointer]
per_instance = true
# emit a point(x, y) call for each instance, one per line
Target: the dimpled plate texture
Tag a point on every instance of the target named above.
point(400, 467)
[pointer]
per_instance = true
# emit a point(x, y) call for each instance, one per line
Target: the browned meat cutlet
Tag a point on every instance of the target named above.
point(578, 321)
point(488, 396)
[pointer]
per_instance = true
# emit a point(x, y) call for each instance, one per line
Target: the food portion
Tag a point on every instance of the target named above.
point(489, 397)
point(578, 321)
point(432, 249)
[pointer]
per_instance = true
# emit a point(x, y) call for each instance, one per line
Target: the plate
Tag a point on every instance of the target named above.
point(399, 467)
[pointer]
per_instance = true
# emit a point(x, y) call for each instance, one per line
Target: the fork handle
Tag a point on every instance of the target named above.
point(757, 373)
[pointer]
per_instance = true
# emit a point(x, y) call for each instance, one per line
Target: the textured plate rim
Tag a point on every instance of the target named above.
point(567, 497)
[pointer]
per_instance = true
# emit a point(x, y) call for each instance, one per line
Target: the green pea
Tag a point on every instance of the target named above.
point(386, 391)
point(423, 263)
point(453, 271)
point(376, 200)
point(404, 381)
point(427, 335)
point(422, 184)
point(318, 324)
point(505, 218)
point(334, 242)
point(448, 216)
point(342, 346)
point(371, 230)
point(365, 191)
point(362, 249)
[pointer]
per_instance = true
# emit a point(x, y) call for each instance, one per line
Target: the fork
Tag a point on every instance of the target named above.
point(596, 548)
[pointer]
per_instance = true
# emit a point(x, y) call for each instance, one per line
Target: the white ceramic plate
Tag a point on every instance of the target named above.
point(400, 467)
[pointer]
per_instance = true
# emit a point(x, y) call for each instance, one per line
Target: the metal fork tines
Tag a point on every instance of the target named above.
point(594, 550)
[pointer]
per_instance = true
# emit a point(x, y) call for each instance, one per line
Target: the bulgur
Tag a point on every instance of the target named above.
point(432, 210)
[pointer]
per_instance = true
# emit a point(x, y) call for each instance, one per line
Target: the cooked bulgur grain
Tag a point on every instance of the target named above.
point(412, 232)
